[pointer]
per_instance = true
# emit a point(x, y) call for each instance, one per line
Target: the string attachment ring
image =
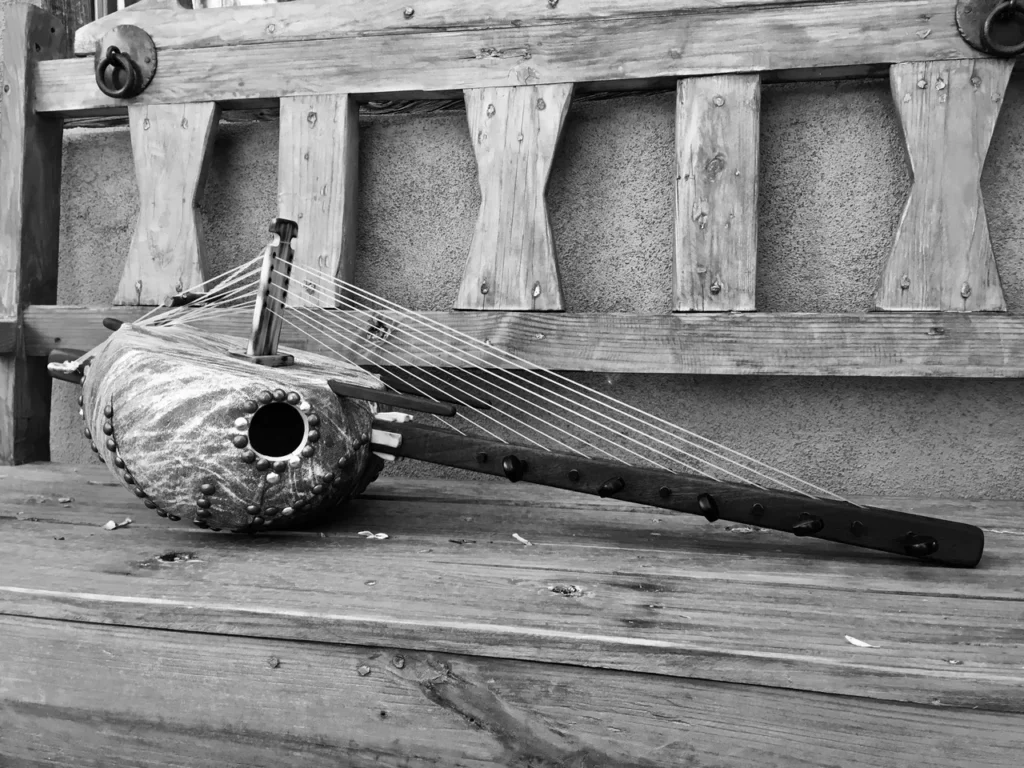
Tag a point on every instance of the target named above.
point(125, 62)
point(995, 27)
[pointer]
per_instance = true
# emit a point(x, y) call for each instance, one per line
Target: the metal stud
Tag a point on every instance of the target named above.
point(108, 428)
point(271, 512)
point(288, 511)
point(305, 407)
point(313, 435)
point(249, 457)
point(108, 411)
point(252, 509)
point(294, 462)
point(264, 397)
point(161, 513)
point(344, 461)
point(94, 448)
point(318, 489)
point(129, 479)
point(150, 504)
point(240, 441)
point(293, 398)
point(856, 527)
point(241, 422)
point(708, 507)
point(199, 523)
point(664, 492)
point(273, 478)
point(279, 395)
point(263, 465)
point(249, 406)
point(173, 517)
point(81, 400)
point(307, 451)
point(139, 492)
point(808, 526)
point(203, 503)
point(111, 444)
point(327, 477)
point(280, 466)
point(207, 488)
point(574, 475)
point(314, 420)
point(611, 487)
point(203, 514)
point(119, 462)
point(257, 521)
point(88, 434)
point(757, 510)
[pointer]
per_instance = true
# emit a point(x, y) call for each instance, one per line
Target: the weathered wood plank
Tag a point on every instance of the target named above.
point(30, 176)
point(317, 174)
point(875, 344)
point(682, 600)
point(8, 334)
point(173, 27)
point(511, 262)
point(718, 127)
point(779, 36)
point(171, 145)
point(942, 257)
point(212, 701)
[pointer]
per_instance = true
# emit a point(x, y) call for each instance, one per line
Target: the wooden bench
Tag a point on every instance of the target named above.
point(602, 634)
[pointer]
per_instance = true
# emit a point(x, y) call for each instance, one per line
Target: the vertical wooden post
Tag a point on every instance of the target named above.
point(171, 147)
point(30, 171)
point(718, 121)
point(942, 256)
point(511, 262)
point(318, 169)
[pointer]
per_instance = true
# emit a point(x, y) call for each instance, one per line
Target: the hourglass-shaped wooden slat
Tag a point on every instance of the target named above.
point(511, 261)
point(171, 146)
point(942, 256)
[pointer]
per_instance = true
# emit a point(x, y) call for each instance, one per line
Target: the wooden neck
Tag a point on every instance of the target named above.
point(272, 296)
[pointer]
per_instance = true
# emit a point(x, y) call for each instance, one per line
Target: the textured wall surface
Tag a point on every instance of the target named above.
point(833, 182)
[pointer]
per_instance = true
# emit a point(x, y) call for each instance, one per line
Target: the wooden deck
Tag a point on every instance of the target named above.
point(620, 636)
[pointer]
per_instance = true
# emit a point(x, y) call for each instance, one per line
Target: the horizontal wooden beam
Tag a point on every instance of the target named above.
point(8, 331)
point(791, 344)
point(632, 46)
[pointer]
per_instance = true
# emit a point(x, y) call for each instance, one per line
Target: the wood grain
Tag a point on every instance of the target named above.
point(875, 344)
point(624, 48)
point(30, 176)
point(171, 146)
point(173, 27)
point(9, 332)
point(318, 170)
point(718, 126)
point(942, 256)
point(655, 593)
point(511, 262)
point(213, 701)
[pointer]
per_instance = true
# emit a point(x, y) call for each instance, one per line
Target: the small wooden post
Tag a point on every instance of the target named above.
point(942, 256)
point(30, 170)
point(511, 262)
point(318, 168)
point(718, 121)
point(171, 146)
point(272, 297)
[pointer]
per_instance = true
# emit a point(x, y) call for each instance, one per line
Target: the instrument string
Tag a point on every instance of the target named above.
point(243, 272)
point(602, 399)
point(574, 421)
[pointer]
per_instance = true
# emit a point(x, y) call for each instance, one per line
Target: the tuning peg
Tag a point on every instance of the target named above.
point(808, 526)
point(513, 468)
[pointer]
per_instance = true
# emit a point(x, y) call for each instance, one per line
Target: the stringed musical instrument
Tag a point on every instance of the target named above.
point(269, 437)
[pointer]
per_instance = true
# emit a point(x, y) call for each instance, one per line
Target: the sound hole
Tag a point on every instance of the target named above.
point(277, 429)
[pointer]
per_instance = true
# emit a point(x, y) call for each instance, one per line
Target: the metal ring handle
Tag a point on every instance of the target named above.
point(1011, 8)
point(114, 61)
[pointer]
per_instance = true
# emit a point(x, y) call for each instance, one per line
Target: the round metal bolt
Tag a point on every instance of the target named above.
point(88, 434)
point(363, 671)
point(293, 398)
point(249, 457)
point(249, 406)
point(270, 512)
point(263, 465)
point(273, 478)
point(173, 517)
point(318, 489)
point(81, 400)
point(922, 83)
point(965, 290)
point(484, 289)
point(307, 451)
point(718, 101)
point(108, 428)
point(240, 441)
point(313, 420)
point(161, 513)
point(313, 435)
point(574, 475)
point(200, 523)
point(904, 282)
point(252, 509)
point(288, 511)
point(327, 477)
point(279, 395)
point(264, 397)
point(258, 521)
point(150, 504)
point(541, 105)
point(129, 479)
point(94, 448)
point(119, 462)
point(398, 661)
point(111, 445)
point(140, 493)
point(241, 422)
point(207, 489)
point(716, 288)
point(409, 12)
point(203, 514)
point(108, 411)
point(203, 503)
point(280, 466)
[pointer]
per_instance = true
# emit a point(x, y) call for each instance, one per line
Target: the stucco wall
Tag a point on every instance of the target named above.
point(833, 181)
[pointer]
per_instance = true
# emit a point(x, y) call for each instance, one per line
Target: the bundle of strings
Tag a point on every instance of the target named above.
point(529, 404)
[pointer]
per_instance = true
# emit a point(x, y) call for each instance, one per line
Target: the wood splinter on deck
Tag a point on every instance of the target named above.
point(942, 256)
point(511, 262)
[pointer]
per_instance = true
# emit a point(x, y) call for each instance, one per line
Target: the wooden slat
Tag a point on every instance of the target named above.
point(171, 145)
point(796, 344)
point(623, 48)
point(30, 176)
point(173, 27)
point(8, 334)
point(942, 257)
point(318, 157)
point(511, 262)
point(718, 125)
point(121, 696)
point(670, 595)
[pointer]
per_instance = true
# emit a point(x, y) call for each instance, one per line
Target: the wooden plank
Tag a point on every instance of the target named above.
point(171, 145)
point(718, 127)
point(719, 605)
point(173, 27)
point(511, 262)
point(73, 14)
point(630, 47)
point(30, 176)
point(798, 344)
point(216, 701)
point(318, 170)
point(942, 257)
point(8, 333)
